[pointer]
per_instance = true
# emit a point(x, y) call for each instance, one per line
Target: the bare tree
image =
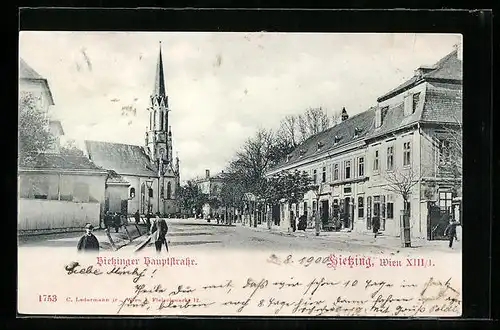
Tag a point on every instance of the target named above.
point(312, 122)
point(335, 118)
point(70, 148)
point(289, 130)
point(401, 182)
point(253, 160)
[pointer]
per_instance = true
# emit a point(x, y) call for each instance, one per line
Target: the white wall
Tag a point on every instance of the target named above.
point(51, 214)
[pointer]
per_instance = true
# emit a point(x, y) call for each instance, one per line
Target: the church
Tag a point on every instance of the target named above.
point(145, 178)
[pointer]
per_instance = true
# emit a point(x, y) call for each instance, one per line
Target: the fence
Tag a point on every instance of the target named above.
point(37, 214)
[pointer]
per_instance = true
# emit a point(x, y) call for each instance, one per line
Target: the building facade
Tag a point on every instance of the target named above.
point(211, 186)
point(387, 159)
point(55, 191)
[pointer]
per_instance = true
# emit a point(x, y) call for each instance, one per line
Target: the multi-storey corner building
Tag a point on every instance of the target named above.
point(363, 164)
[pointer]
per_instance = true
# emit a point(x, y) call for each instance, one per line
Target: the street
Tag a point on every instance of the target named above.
point(189, 235)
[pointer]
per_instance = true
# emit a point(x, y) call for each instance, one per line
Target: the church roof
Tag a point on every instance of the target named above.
point(447, 68)
point(53, 161)
point(124, 159)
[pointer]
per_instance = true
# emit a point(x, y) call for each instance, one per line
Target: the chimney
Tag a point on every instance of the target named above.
point(344, 114)
point(207, 174)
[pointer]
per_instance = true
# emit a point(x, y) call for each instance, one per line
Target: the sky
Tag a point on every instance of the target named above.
point(222, 87)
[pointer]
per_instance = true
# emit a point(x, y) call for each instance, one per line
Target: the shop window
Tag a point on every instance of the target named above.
point(361, 207)
point(390, 207)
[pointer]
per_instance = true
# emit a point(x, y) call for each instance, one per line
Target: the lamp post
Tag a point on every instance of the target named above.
point(149, 184)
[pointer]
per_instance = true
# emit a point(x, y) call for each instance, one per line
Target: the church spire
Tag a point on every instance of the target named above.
point(159, 88)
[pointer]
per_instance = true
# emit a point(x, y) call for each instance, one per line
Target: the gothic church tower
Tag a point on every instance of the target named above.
point(159, 135)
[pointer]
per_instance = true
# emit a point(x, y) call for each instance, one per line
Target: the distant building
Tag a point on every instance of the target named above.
point(151, 170)
point(354, 163)
point(211, 185)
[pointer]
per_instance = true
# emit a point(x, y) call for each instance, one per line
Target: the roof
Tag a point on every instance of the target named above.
point(121, 158)
point(442, 105)
point(26, 72)
point(447, 68)
point(51, 161)
point(115, 178)
point(344, 131)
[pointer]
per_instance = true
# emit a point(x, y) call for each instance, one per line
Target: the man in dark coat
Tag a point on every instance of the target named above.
point(88, 242)
point(376, 225)
point(137, 216)
point(451, 231)
point(117, 221)
point(159, 229)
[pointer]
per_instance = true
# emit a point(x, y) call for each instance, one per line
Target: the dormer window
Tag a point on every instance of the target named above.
point(302, 152)
point(320, 145)
point(288, 158)
point(380, 115)
point(336, 139)
point(411, 103)
point(357, 131)
point(416, 98)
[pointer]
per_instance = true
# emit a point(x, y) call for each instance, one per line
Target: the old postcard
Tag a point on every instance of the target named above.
point(240, 174)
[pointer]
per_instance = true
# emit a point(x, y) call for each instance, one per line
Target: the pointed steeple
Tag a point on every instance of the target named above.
point(159, 88)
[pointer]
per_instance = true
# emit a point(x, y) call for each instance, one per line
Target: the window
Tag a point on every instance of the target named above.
point(375, 161)
point(348, 169)
point(361, 166)
point(335, 172)
point(416, 98)
point(383, 113)
point(132, 192)
point(323, 177)
point(315, 176)
point(444, 151)
point(390, 207)
point(390, 158)
point(169, 190)
point(161, 120)
point(445, 200)
point(150, 190)
point(406, 154)
point(361, 207)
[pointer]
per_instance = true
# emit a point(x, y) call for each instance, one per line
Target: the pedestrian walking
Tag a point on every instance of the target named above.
point(88, 242)
point(159, 229)
point(376, 226)
point(108, 220)
point(451, 232)
point(116, 221)
point(137, 217)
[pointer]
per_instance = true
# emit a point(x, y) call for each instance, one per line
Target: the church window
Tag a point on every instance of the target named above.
point(132, 192)
point(169, 190)
point(150, 190)
point(161, 121)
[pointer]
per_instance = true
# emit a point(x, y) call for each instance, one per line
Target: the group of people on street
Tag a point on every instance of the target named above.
point(158, 229)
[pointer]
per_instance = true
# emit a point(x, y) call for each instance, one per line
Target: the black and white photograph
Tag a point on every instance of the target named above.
point(153, 144)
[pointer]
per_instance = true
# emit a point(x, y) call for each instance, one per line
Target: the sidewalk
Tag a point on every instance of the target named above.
point(361, 238)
